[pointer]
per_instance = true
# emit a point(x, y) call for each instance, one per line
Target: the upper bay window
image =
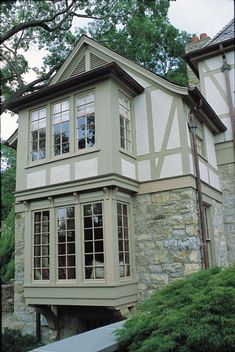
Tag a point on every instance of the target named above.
point(85, 107)
point(38, 134)
point(60, 128)
point(125, 122)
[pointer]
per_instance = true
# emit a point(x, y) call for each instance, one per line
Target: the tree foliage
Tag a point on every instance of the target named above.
point(8, 178)
point(193, 314)
point(144, 35)
point(137, 29)
point(7, 247)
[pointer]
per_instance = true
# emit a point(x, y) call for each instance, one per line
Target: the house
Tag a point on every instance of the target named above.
point(107, 192)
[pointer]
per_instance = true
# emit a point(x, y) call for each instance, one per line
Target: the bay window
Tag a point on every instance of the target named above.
point(85, 106)
point(60, 128)
point(38, 134)
point(78, 233)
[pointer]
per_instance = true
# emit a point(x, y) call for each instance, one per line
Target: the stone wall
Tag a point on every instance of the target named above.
point(8, 297)
point(166, 238)
point(227, 179)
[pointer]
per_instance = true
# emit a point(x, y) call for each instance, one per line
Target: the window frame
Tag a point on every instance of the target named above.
point(93, 266)
point(48, 244)
point(65, 244)
point(60, 125)
point(127, 125)
point(37, 110)
point(122, 264)
point(209, 239)
point(85, 94)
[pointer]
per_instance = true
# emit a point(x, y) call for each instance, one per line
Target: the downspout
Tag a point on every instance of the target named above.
point(225, 69)
point(204, 249)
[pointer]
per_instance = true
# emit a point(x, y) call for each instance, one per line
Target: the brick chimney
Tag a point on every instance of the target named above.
point(196, 43)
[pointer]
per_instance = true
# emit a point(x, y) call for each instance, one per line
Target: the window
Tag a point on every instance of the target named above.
point(125, 123)
point(41, 247)
point(123, 239)
point(93, 241)
point(38, 134)
point(199, 139)
point(208, 237)
point(66, 243)
point(60, 129)
point(85, 121)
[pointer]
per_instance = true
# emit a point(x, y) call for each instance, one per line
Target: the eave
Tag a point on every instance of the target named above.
point(12, 140)
point(111, 70)
point(203, 111)
point(194, 57)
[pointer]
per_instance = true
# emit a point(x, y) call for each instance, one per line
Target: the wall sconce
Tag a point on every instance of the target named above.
point(192, 123)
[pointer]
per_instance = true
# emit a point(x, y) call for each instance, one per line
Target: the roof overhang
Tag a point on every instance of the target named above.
point(203, 111)
point(194, 57)
point(12, 140)
point(111, 70)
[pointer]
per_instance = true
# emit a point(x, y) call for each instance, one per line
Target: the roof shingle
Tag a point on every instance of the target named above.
point(226, 33)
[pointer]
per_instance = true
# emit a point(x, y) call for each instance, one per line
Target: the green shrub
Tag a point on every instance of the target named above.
point(7, 248)
point(195, 314)
point(14, 341)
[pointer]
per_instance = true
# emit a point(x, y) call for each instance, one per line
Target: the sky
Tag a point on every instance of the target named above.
point(192, 16)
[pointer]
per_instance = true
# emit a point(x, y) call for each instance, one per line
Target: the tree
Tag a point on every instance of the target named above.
point(145, 36)
point(8, 175)
point(47, 24)
point(117, 23)
point(193, 314)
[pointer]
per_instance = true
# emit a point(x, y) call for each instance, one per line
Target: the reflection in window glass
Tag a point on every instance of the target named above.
point(60, 130)
point(85, 121)
point(38, 134)
point(93, 241)
point(123, 240)
point(41, 246)
point(66, 243)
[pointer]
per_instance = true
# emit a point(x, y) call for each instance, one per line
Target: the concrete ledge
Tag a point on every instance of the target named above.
point(98, 340)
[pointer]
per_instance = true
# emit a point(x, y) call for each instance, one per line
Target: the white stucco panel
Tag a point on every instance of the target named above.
point(213, 63)
point(203, 172)
point(144, 170)
point(210, 147)
point(60, 174)
point(86, 168)
point(36, 179)
point(214, 180)
point(161, 107)
point(230, 57)
point(174, 138)
point(172, 166)
point(214, 98)
point(191, 165)
point(142, 138)
point(128, 169)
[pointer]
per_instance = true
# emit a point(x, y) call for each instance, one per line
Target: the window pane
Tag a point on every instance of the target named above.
point(70, 236)
point(61, 249)
point(87, 222)
point(71, 273)
point(87, 209)
point(123, 239)
point(88, 235)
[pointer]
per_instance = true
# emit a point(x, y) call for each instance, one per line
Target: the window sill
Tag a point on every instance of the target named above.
point(64, 157)
point(128, 153)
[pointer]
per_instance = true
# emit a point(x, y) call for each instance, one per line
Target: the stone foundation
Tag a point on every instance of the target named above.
point(8, 297)
point(166, 238)
point(227, 179)
point(168, 244)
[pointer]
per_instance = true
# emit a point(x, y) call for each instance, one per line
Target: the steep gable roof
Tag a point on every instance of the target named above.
point(88, 52)
point(226, 33)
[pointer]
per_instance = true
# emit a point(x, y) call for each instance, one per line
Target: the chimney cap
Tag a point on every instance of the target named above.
point(203, 36)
